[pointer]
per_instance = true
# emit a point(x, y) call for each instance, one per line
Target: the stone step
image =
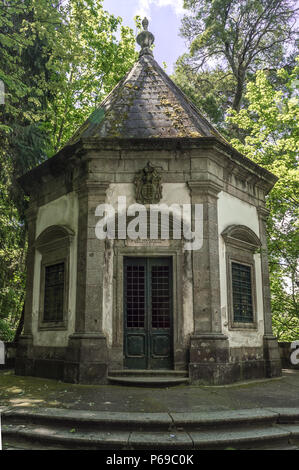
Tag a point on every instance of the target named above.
point(80, 429)
point(288, 415)
point(62, 438)
point(243, 438)
point(147, 373)
point(88, 420)
point(138, 420)
point(148, 381)
point(37, 436)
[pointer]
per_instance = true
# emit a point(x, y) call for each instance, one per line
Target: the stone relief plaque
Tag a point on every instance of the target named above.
point(148, 187)
point(147, 242)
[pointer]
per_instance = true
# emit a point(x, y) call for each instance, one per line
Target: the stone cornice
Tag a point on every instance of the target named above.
point(71, 156)
point(263, 212)
point(92, 188)
point(204, 187)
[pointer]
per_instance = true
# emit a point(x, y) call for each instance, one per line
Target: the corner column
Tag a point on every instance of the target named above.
point(24, 356)
point(271, 351)
point(209, 348)
point(87, 353)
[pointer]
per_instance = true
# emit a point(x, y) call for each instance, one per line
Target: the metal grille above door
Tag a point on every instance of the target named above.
point(148, 313)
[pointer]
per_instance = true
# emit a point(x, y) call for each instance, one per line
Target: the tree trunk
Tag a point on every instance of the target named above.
point(20, 325)
point(238, 94)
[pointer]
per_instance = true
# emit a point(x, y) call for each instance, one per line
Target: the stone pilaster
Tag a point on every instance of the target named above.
point(271, 352)
point(209, 348)
point(24, 357)
point(87, 354)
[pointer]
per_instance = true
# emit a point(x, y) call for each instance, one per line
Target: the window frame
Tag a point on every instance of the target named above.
point(232, 323)
point(241, 244)
point(250, 271)
point(54, 247)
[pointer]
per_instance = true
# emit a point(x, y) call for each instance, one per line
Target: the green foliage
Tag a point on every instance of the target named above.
point(87, 62)
point(57, 61)
point(271, 122)
point(239, 43)
point(12, 260)
point(211, 91)
point(229, 40)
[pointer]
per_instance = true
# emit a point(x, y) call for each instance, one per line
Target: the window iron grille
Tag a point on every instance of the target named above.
point(54, 293)
point(242, 293)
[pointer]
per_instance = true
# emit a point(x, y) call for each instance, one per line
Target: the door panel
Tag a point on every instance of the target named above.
point(160, 330)
point(135, 299)
point(148, 313)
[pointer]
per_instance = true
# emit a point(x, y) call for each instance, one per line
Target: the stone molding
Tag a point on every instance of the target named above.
point(92, 188)
point(53, 237)
point(206, 188)
point(209, 336)
point(174, 251)
point(54, 245)
point(263, 213)
point(240, 243)
point(242, 237)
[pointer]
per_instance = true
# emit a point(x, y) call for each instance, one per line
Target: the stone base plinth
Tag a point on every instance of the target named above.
point(209, 359)
point(86, 359)
point(272, 357)
point(213, 363)
point(24, 364)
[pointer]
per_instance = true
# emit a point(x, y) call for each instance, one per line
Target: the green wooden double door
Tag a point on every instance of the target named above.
point(148, 314)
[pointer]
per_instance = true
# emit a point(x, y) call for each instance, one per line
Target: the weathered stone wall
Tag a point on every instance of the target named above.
point(173, 193)
point(62, 211)
point(93, 340)
point(233, 211)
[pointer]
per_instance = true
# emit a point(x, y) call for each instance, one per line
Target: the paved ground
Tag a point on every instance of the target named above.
point(18, 391)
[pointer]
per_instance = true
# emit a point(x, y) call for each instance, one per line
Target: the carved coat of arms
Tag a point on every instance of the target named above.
point(148, 185)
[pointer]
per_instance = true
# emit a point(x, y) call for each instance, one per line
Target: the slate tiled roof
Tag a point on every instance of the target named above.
point(146, 104)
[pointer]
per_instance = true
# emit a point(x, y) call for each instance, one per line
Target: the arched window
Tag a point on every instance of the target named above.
point(241, 244)
point(54, 245)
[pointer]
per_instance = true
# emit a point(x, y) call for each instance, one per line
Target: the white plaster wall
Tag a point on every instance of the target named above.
point(62, 211)
point(172, 193)
point(233, 211)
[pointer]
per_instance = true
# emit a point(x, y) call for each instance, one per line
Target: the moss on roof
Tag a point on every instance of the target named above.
point(146, 104)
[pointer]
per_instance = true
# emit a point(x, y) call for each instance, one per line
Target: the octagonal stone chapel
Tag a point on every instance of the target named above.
point(120, 308)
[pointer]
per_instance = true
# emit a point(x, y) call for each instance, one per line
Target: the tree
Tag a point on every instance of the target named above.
point(271, 121)
point(23, 137)
point(240, 36)
point(58, 59)
point(87, 62)
point(211, 91)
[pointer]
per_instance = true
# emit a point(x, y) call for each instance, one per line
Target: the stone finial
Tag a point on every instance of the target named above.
point(145, 39)
point(145, 23)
